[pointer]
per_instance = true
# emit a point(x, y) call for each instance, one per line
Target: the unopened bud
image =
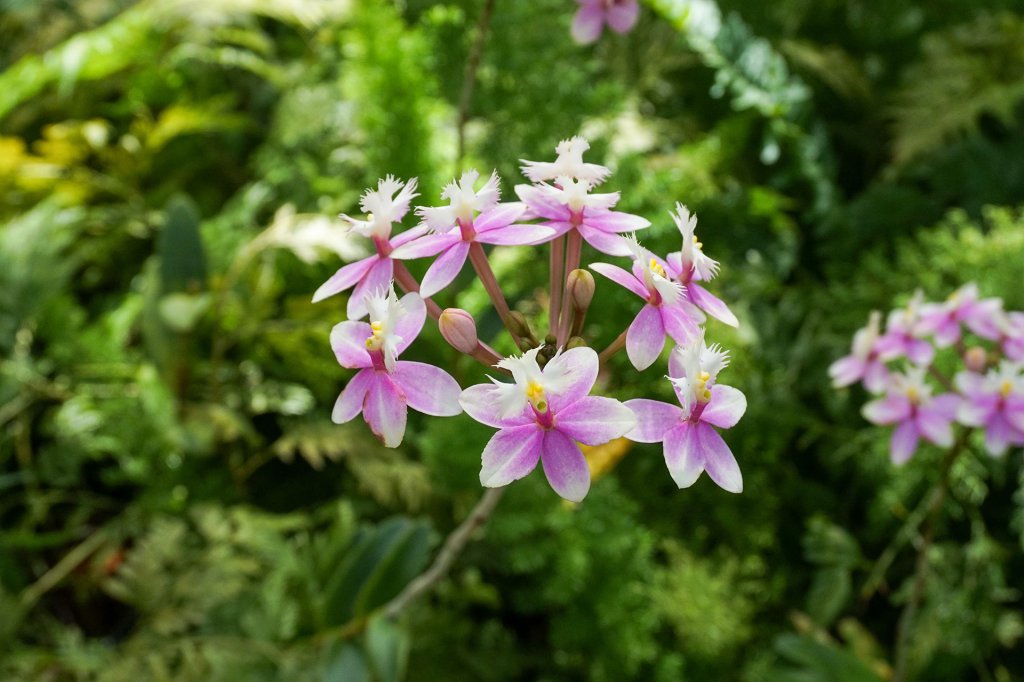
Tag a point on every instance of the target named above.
point(975, 359)
point(550, 340)
point(526, 344)
point(576, 342)
point(458, 329)
point(581, 289)
point(518, 325)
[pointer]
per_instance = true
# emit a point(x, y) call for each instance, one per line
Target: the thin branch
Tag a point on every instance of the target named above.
point(556, 268)
point(478, 258)
point(451, 549)
point(469, 80)
point(573, 251)
point(905, 624)
point(614, 347)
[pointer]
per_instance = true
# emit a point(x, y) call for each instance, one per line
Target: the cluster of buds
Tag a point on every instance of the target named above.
point(546, 410)
point(899, 365)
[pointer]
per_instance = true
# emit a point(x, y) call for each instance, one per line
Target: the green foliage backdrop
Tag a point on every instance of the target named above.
point(174, 500)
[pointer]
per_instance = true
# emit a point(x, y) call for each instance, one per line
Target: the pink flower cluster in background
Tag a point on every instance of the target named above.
point(908, 366)
point(544, 409)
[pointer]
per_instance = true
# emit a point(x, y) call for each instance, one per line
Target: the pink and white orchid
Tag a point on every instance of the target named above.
point(541, 416)
point(691, 444)
point(689, 266)
point(471, 216)
point(964, 306)
point(384, 206)
point(994, 402)
point(863, 363)
point(568, 205)
point(903, 335)
point(909, 404)
point(591, 17)
point(666, 311)
point(385, 387)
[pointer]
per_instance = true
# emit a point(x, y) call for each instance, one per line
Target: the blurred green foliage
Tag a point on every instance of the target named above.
point(174, 501)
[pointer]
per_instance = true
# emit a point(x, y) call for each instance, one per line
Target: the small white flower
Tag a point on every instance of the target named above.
point(386, 205)
point(692, 252)
point(569, 163)
point(463, 201)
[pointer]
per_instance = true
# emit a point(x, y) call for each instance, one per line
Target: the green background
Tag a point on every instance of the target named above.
point(174, 500)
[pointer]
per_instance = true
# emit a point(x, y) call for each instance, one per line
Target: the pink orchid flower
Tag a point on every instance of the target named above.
point(1011, 336)
point(994, 402)
point(541, 416)
point(862, 364)
point(903, 334)
point(385, 387)
point(909, 404)
point(620, 15)
point(690, 265)
point(690, 442)
point(471, 216)
point(666, 311)
point(568, 205)
point(386, 205)
point(943, 320)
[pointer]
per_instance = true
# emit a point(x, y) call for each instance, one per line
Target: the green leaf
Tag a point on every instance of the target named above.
point(387, 647)
point(180, 248)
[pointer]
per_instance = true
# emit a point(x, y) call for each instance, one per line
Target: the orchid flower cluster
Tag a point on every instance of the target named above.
point(546, 411)
point(898, 365)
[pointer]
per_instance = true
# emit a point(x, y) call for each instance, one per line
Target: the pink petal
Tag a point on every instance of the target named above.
point(501, 215)
point(510, 454)
point(570, 375)
point(684, 458)
point(614, 221)
point(674, 264)
point(344, 278)
point(377, 279)
point(846, 371)
point(542, 204)
point(445, 269)
point(998, 435)
point(888, 410)
point(726, 407)
point(719, 461)
point(876, 376)
point(587, 24)
point(920, 352)
point(517, 235)
point(410, 323)
point(645, 338)
point(595, 421)
point(482, 402)
point(654, 419)
point(605, 242)
point(348, 340)
point(565, 466)
point(711, 304)
point(622, 15)
point(945, 405)
point(384, 410)
point(678, 324)
point(621, 277)
point(903, 443)
point(430, 245)
point(934, 426)
point(350, 402)
point(428, 389)
point(409, 235)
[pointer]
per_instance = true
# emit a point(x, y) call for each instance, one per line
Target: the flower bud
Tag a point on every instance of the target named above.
point(576, 342)
point(458, 329)
point(518, 325)
point(975, 359)
point(581, 289)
